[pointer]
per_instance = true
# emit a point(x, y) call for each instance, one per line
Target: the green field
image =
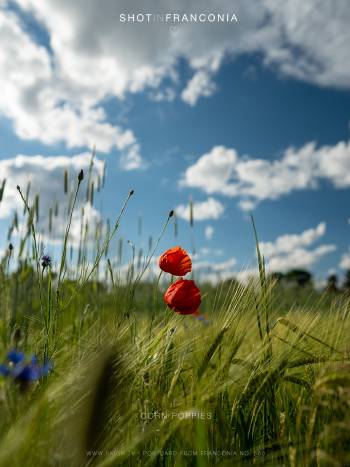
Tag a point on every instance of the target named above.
point(263, 380)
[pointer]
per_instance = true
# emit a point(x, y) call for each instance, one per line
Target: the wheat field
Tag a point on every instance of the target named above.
point(262, 379)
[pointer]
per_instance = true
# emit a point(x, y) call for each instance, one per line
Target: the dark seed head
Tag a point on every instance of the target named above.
point(81, 176)
point(10, 247)
point(131, 192)
point(171, 213)
point(18, 188)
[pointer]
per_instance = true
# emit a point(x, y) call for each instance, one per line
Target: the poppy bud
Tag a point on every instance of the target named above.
point(183, 297)
point(175, 261)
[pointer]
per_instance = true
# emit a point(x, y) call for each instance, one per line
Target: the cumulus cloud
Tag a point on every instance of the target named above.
point(286, 252)
point(132, 56)
point(200, 84)
point(345, 260)
point(217, 267)
point(213, 172)
point(298, 258)
point(202, 210)
point(225, 172)
point(44, 104)
point(55, 92)
point(286, 243)
point(216, 272)
point(205, 251)
point(209, 232)
point(167, 94)
point(45, 177)
point(86, 223)
point(293, 251)
point(301, 54)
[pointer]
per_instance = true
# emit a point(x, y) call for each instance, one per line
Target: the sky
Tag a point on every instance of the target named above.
point(246, 116)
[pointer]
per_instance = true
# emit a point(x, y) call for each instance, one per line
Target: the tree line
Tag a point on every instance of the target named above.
point(304, 278)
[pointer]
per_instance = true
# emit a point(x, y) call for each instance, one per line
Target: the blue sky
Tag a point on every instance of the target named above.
point(157, 107)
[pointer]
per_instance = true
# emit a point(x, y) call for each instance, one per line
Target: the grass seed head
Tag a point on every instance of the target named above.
point(81, 176)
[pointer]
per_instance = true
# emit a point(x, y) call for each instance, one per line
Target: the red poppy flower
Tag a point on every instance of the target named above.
point(184, 297)
point(175, 261)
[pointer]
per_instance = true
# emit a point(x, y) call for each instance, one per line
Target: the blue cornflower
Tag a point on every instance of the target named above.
point(46, 261)
point(15, 356)
point(24, 371)
point(32, 371)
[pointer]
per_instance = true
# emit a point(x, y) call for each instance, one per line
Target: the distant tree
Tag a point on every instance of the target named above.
point(276, 276)
point(332, 283)
point(299, 276)
point(347, 281)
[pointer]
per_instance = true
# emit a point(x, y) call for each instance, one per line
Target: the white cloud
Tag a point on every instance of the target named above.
point(217, 267)
point(204, 251)
point(167, 94)
point(345, 261)
point(289, 251)
point(46, 178)
point(199, 85)
point(202, 210)
point(215, 272)
point(213, 172)
point(224, 171)
point(58, 94)
point(246, 204)
point(84, 216)
point(302, 54)
point(248, 275)
point(292, 251)
point(130, 56)
point(289, 242)
point(44, 104)
point(209, 232)
point(286, 252)
point(298, 258)
point(131, 159)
